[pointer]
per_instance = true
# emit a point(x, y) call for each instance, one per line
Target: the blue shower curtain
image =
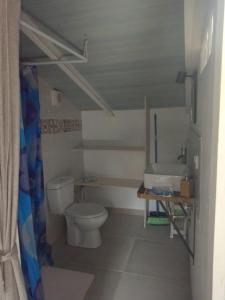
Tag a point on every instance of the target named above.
point(31, 221)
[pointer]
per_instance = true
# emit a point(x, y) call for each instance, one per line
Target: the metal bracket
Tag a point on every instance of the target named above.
point(63, 59)
point(177, 228)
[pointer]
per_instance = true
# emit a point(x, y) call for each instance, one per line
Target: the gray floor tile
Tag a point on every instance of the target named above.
point(104, 284)
point(167, 260)
point(59, 253)
point(155, 233)
point(132, 226)
point(136, 287)
point(112, 254)
point(155, 266)
point(122, 225)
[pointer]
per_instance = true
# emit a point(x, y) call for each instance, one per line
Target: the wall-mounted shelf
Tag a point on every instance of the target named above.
point(107, 145)
point(108, 181)
point(148, 196)
point(145, 194)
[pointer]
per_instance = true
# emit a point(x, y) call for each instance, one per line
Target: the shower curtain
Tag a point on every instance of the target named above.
point(31, 221)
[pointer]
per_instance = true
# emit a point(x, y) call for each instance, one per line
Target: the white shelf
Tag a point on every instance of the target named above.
point(108, 181)
point(107, 145)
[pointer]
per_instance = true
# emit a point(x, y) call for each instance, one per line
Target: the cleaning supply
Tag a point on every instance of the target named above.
point(162, 191)
point(186, 187)
point(157, 217)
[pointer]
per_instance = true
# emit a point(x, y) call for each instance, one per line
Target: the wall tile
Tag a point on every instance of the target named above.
point(49, 126)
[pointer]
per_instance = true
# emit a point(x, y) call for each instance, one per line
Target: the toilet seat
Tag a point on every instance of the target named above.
point(85, 210)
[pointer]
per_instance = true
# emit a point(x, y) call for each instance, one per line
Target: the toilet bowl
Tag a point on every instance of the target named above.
point(83, 223)
point(83, 219)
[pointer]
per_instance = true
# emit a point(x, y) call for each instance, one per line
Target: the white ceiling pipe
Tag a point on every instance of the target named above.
point(54, 53)
point(46, 62)
point(48, 35)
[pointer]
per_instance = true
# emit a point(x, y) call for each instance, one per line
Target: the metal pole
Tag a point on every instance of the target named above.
point(183, 209)
point(51, 39)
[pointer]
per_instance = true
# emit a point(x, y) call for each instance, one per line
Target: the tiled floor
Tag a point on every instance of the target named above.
point(133, 263)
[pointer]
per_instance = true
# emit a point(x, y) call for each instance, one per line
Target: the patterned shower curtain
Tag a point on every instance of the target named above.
point(31, 221)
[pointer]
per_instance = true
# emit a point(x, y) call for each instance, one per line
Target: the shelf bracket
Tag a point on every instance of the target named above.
point(177, 229)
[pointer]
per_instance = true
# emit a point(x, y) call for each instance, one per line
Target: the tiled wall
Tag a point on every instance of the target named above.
point(61, 132)
point(60, 125)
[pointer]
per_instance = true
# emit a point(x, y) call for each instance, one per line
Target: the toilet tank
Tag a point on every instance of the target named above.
point(60, 192)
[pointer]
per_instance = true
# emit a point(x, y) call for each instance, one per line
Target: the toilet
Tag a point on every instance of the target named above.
point(83, 219)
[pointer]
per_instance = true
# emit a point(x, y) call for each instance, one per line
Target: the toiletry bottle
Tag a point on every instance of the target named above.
point(186, 187)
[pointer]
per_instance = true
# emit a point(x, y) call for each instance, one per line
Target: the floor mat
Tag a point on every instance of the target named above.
point(65, 284)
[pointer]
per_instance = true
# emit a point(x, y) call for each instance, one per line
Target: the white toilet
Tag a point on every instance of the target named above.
point(83, 219)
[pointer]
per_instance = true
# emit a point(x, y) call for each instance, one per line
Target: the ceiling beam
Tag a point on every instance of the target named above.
point(47, 61)
point(54, 53)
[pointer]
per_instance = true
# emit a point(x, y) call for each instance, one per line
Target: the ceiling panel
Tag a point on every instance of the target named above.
point(135, 48)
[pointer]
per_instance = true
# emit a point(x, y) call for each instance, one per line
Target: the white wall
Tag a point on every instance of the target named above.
point(58, 158)
point(219, 227)
point(172, 127)
point(129, 127)
point(204, 278)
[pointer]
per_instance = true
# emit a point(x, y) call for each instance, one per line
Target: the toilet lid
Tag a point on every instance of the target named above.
point(85, 210)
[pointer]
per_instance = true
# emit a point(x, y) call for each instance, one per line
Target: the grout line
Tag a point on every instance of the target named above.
point(129, 254)
point(68, 264)
point(125, 265)
point(96, 267)
point(136, 238)
point(175, 281)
